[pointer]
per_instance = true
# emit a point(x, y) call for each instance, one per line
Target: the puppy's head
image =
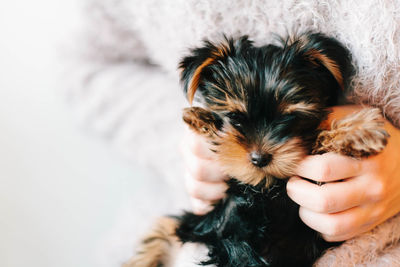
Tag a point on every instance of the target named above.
point(261, 106)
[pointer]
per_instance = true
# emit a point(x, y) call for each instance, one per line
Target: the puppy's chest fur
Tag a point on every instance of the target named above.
point(263, 111)
point(254, 226)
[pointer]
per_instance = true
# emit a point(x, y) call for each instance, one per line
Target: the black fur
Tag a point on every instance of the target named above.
point(258, 225)
point(254, 226)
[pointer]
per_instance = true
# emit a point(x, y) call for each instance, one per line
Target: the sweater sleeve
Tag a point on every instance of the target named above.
point(117, 93)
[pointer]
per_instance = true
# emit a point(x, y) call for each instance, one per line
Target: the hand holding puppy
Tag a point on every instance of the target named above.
point(204, 180)
point(356, 195)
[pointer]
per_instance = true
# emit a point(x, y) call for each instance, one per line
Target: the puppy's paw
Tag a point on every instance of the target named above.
point(358, 135)
point(201, 121)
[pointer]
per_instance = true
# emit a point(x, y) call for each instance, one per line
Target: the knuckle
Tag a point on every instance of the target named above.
point(196, 147)
point(195, 192)
point(191, 186)
point(335, 228)
point(377, 214)
point(197, 172)
point(379, 190)
point(324, 203)
point(199, 207)
point(325, 171)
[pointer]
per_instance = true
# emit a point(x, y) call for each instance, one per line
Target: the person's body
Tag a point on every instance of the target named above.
point(135, 103)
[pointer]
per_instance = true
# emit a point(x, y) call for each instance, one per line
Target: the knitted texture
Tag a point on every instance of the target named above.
point(161, 31)
point(125, 83)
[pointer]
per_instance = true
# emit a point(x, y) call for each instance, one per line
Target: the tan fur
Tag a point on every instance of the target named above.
point(314, 55)
point(228, 104)
point(234, 158)
point(301, 107)
point(200, 121)
point(358, 135)
point(286, 158)
point(330, 64)
point(156, 247)
point(221, 52)
point(194, 83)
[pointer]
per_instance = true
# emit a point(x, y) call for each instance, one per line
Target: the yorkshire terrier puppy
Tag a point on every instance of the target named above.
point(262, 111)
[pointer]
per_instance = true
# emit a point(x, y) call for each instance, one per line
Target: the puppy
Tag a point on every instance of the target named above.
point(262, 110)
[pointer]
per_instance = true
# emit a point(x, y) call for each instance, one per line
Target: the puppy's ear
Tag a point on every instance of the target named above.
point(196, 67)
point(321, 51)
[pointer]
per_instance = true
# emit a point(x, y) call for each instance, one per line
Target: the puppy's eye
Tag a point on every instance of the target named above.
point(235, 119)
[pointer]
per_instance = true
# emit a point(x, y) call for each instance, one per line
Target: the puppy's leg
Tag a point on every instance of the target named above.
point(157, 246)
point(358, 135)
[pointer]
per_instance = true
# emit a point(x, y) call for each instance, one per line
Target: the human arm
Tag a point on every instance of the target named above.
point(114, 92)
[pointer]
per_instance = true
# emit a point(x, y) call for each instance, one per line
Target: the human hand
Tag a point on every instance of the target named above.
point(357, 195)
point(204, 179)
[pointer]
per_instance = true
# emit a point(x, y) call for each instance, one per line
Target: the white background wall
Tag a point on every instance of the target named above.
point(59, 187)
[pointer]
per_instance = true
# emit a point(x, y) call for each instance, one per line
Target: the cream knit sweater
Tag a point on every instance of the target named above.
point(126, 83)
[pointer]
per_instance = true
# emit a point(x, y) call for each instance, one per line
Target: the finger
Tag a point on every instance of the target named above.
point(365, 227)
point(330, 197)
point(374, 216)
point(197, 144)
point(344, 237)
point(200, 207)
point(329, 167)
point(337, 225)
point(205, 190)
point(202, 169)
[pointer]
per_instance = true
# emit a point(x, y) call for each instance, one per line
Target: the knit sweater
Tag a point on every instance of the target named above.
point(126, 83)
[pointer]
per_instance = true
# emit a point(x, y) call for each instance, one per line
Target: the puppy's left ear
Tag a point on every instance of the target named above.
point(197, 67)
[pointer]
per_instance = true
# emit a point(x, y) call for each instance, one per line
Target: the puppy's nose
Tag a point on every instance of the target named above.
point(260, 159)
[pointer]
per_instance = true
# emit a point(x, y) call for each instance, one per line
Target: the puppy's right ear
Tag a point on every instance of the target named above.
point(197, 67)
